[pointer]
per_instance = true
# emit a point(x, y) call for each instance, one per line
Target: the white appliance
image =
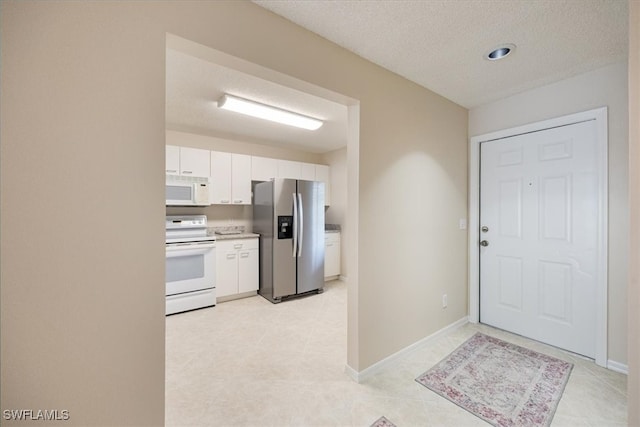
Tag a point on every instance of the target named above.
point(186, 191)
point(190, 264)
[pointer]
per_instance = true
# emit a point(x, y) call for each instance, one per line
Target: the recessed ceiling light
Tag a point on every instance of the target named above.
point(500, 52)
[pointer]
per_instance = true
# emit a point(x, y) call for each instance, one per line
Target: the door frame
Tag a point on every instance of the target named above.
point(600, 116)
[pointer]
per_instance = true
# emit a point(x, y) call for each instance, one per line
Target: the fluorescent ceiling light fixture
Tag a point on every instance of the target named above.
point(267, 112)
point(500, 52)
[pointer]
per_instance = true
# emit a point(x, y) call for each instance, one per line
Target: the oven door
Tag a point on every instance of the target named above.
point(190, 267)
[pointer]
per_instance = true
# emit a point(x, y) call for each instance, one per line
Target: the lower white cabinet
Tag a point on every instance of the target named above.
point(236, 266)
point(331, 255)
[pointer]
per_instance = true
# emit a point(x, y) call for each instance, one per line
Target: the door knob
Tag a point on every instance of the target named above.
point(484, 229)
point(484, 243)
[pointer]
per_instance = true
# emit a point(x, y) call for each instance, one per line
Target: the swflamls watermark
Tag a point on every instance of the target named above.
point(36, 414)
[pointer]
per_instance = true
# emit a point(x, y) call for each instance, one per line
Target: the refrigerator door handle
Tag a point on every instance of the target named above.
point(300, 225)
point(295, 225)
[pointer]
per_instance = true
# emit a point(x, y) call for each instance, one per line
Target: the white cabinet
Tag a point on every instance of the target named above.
point(307, 171)
point(220, 181)
point(194, 162)
point(172, 160)
point(236, 266)
point(263, 168)
point(186, 161)
point(288, 169)
point(241, 179)
point(248, 269)
point(323, 175)
point(230, 179)
point(331, 255)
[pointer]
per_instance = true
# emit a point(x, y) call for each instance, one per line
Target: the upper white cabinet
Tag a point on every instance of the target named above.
point(230, 178)
point(307, 171)
point(186, 161)
point(194, 162)
point(323, 175)
point(231, 174)
point(172, 160)
point(288, 169)
point(220, 188)
point(241, 179)
point(263, 168)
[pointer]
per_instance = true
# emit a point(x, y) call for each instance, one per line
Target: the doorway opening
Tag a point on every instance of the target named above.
point(344, 197)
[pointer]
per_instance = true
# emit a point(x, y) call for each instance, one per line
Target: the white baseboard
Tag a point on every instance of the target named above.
point(618, 367)
point(378, 366)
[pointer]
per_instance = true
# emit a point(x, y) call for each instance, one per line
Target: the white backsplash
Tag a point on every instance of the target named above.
point(219, 215)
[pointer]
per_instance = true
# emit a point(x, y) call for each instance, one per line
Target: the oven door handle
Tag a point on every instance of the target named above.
point(189, 250)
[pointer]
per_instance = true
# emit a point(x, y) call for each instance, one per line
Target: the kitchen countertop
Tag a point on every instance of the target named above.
point(332, 228)
point(236, 236)
point(239, 233)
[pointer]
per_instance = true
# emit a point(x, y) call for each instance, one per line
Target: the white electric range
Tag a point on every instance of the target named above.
point(190, 264)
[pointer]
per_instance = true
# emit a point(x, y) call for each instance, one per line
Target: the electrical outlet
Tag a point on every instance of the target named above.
point(444, 301)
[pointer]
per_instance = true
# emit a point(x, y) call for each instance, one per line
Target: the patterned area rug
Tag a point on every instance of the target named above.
point(383, 422)
point(502, 383)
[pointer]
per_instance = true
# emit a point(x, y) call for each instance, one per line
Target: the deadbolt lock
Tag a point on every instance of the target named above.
point(484, 243)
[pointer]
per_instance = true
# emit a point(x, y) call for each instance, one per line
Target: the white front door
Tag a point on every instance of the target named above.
point(539, 216)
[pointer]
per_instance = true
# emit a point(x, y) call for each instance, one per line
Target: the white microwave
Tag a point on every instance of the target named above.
point(187, 191)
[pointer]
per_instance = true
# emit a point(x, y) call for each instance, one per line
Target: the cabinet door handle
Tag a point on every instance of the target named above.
point(244, 255)
point(187, 172)
point(171, 171)
point(224, 201)
point(231, 256)
point(237, 201)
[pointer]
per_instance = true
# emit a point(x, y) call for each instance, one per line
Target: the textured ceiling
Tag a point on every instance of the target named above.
point(440, 44)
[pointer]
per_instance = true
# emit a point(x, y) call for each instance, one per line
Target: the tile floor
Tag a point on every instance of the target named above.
point(252, 363)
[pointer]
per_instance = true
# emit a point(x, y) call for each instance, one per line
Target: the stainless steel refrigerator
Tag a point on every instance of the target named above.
point(289, 216)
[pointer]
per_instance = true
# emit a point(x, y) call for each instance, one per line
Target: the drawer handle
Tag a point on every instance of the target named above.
point(237, 246)
point(237, 201)
point(231, 256)
point(224, 201)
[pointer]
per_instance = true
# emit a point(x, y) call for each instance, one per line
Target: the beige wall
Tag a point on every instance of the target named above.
point(633, 394)
point(82, 128)
point(606, 86)
point(413, 191)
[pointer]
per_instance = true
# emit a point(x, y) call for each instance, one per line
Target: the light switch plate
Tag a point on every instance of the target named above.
point(462, 224)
